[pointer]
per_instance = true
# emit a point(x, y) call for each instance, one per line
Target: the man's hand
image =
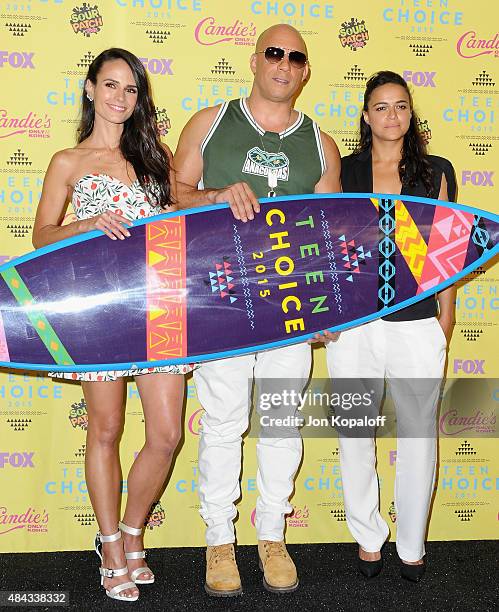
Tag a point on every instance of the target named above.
point(241, 199)
point(325, 337)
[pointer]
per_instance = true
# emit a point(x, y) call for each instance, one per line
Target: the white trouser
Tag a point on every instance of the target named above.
point(224, 390)
point(395, 350)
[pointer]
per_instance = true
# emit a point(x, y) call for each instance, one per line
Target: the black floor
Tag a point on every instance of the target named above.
point(460, 576)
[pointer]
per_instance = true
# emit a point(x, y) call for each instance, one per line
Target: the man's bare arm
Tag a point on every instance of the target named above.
point(330, 180)
point(188, 163)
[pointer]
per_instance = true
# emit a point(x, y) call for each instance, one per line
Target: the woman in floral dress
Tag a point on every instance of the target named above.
point(119, 171)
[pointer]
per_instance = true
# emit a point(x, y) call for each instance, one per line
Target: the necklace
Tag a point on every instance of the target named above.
point(272, 171)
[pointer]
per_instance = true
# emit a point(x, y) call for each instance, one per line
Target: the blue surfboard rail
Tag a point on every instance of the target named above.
point(488, 255)
point(200, 209)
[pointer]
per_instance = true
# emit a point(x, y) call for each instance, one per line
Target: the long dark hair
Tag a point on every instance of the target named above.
point(140, 143)
point(413, 165)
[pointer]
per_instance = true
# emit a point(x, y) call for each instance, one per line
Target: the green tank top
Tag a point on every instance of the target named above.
point(236, 149)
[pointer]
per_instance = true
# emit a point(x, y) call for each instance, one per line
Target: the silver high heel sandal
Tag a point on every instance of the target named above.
point(105, 572)
point(141, 554)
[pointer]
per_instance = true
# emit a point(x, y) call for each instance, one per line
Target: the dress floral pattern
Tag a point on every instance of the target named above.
point(93, 194)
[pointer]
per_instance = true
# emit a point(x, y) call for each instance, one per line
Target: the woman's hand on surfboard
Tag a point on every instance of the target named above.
point(108, 222)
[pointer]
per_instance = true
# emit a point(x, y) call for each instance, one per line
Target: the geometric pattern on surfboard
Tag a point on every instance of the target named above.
point(387, 249)
point(333, 267)
point(4, 347)
point(166, 289)
point(408, 239)
point(447, 246)
point(41, 325)
point(353, 256)
point(222, 280)
point(130, 297)
point(480, 236)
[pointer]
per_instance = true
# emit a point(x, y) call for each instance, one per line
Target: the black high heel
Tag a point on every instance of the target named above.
point(370, 569)
point(413, 573)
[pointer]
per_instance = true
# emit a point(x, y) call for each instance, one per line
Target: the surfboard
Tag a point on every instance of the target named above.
point(198, 285)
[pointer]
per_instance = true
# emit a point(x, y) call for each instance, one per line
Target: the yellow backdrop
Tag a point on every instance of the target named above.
point(196, 53)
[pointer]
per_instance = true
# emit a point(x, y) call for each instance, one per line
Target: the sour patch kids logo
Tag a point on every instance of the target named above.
point(353, 34)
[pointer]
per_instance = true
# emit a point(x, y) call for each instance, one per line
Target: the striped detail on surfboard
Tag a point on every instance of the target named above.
point(36, 316)
point(166, 273)
point(4, 349)
point(408, 239)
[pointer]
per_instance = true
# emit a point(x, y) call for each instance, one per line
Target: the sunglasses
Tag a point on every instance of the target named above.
point(274, 55)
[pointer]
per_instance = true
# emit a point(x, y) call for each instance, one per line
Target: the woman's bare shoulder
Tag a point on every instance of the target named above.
point(69, 163)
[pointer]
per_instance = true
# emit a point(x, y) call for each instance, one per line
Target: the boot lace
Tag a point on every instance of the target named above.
point(225, 552)
point(275, 549)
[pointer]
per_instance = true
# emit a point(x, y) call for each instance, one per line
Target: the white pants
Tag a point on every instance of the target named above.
point(395, 350)
point(224, 390)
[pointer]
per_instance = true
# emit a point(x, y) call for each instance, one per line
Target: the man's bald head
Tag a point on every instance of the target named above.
point(277, 79)
point(281, 35)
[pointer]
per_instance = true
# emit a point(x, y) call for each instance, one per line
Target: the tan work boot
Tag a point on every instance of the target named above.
point(279, 571)
point(222, 575)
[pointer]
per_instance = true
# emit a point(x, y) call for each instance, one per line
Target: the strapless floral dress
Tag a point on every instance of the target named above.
point(93, 194)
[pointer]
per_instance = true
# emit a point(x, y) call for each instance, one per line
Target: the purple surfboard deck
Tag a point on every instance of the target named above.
point(200, 285)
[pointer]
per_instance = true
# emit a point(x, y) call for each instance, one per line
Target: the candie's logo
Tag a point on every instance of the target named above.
point(209, 32)
point(453, 424)
point(470, 45)
point(195, 422)
point(86, 19)
point(353, 34)
point(156, 516)
point(30, 519)
point(31, 124)
point(299, 517)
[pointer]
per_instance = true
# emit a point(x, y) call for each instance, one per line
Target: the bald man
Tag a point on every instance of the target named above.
point(237, 152)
